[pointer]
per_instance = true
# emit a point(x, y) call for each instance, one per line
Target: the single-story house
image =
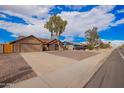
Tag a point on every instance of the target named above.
point(34, 44)
point(68, 45)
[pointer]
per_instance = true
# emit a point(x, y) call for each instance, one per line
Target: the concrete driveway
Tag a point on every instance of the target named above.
point(60, 72)
point(43, 63)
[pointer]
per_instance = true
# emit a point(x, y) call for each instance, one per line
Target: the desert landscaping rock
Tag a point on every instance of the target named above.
point(13, 68)
point(74, 54)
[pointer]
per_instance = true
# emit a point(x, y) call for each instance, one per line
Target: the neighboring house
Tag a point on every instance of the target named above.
point(33, 44)
point(68, 45)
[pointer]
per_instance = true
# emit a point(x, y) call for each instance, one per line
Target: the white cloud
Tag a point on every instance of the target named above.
point(2, 16)
point(35, 27)
point(20, 29)
point(75, 7)
point(120, 11)
point(79, 22)
point(68, 39)
point(28, 10)
point(14, 35)
point(114, 43)
point(121, 21)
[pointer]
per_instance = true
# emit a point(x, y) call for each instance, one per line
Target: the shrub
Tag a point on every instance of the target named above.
point(90, 47)
point(122, 46)
point(104, 46)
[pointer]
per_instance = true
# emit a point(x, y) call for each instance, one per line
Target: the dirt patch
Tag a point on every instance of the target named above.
point(74, 54)
point(13, 68)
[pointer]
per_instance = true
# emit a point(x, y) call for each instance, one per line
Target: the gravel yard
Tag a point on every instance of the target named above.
point(13, 68)
point(74, 54)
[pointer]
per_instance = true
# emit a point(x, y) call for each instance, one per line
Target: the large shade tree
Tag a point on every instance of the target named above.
point(56, 25)
point(92, 36)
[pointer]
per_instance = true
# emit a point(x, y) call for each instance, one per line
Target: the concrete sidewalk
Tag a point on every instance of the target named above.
point(75, 75)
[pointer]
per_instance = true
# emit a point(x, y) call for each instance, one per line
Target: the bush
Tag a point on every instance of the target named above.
point(122, 46)
point(90, 47)
point(104, 46)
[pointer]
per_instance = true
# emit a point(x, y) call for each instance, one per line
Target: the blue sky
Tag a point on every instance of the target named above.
point(30, 20)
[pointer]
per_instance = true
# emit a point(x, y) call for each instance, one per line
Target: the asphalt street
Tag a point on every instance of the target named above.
point(111, 73)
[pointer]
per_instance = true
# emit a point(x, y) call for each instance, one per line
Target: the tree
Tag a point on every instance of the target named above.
point(92, 36)
point(56, 25)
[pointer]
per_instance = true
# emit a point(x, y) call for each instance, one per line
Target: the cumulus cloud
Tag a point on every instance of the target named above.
point(75, 7)
point(2, 16)
point(68, 39)
point(34, 27)
point(20, 29)
point(14, 35)
point(120, 11)
point(117, 42)
point(28, 10)
point(79, 22)
point(114, 43)
point(121, 21)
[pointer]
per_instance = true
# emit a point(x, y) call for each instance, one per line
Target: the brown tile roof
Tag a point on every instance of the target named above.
point(55, 41)
point(23, 37)
point(43, 40)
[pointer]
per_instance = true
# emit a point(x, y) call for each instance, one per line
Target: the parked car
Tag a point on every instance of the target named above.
point(79, 47)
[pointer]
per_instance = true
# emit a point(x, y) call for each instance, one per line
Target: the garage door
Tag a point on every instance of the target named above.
point(30, 48)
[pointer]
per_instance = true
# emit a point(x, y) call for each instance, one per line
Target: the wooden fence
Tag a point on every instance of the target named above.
point(6, 48)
